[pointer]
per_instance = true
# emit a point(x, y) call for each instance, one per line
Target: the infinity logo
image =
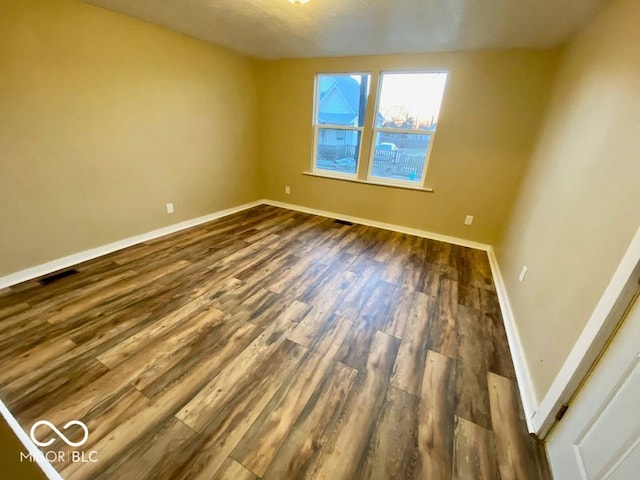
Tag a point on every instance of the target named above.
point(59, 433)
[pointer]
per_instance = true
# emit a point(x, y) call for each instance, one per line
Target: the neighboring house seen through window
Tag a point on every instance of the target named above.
point(406, 116)
point(341, 101)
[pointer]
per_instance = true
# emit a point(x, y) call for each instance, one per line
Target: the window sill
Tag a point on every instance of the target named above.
point(369, 182)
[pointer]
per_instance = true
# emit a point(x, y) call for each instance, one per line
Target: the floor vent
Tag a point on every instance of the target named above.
point(343, 222)
point(57, 276)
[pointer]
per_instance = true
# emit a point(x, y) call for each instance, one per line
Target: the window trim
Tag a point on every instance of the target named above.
point(317, 126)
point(375, 130)
point(367, 182)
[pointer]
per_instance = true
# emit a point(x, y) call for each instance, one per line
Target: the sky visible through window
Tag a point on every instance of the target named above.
point(406, 96)
point(358, 78)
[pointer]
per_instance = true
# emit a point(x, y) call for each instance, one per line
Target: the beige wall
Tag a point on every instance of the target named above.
point(490, 118)
point(104, 119)
point(580, 204)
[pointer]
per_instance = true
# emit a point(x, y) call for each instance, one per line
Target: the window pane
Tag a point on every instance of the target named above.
point(400, 156)
point(342, 99)
point(410, 100)
point(338, 150)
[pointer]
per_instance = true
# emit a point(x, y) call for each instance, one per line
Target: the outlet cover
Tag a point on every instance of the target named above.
point(468, 220)
point(169, 207)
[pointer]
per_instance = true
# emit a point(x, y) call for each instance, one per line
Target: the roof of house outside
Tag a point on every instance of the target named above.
point(350, 90)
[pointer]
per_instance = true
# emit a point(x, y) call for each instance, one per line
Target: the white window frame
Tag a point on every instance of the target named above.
point(375, 130)
point(317, 127)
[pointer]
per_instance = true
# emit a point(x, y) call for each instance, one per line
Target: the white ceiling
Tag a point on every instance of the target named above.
point(277, 29)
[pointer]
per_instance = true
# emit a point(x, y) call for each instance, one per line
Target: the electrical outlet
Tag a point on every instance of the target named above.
point(169, 207)
point(287, 189)
point(468, 220)
point(523, 273)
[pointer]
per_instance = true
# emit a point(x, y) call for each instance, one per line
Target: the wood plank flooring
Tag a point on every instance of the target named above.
point(272, 344)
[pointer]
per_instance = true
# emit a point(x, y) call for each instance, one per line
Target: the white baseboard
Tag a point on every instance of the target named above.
point(31, 447)
point(525, 385)
point(385, 226)
point(74, 259)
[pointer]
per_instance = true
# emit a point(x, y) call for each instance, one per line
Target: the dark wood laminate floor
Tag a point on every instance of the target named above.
point(272, 344)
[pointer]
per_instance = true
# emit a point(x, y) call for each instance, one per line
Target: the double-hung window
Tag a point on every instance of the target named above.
point(401, 130)
point(408, 105)
point(340, 106)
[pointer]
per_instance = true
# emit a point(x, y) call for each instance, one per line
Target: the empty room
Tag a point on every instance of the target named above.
point(320, 239)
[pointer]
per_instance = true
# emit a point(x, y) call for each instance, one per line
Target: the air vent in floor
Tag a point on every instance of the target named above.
point(343, 222)
point(57, 276)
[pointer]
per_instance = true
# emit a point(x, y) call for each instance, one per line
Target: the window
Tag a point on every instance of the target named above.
point(408, 108)
point(341, 101)
point(406, 117)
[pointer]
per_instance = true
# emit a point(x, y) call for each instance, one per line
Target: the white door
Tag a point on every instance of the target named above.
point(599, 437)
